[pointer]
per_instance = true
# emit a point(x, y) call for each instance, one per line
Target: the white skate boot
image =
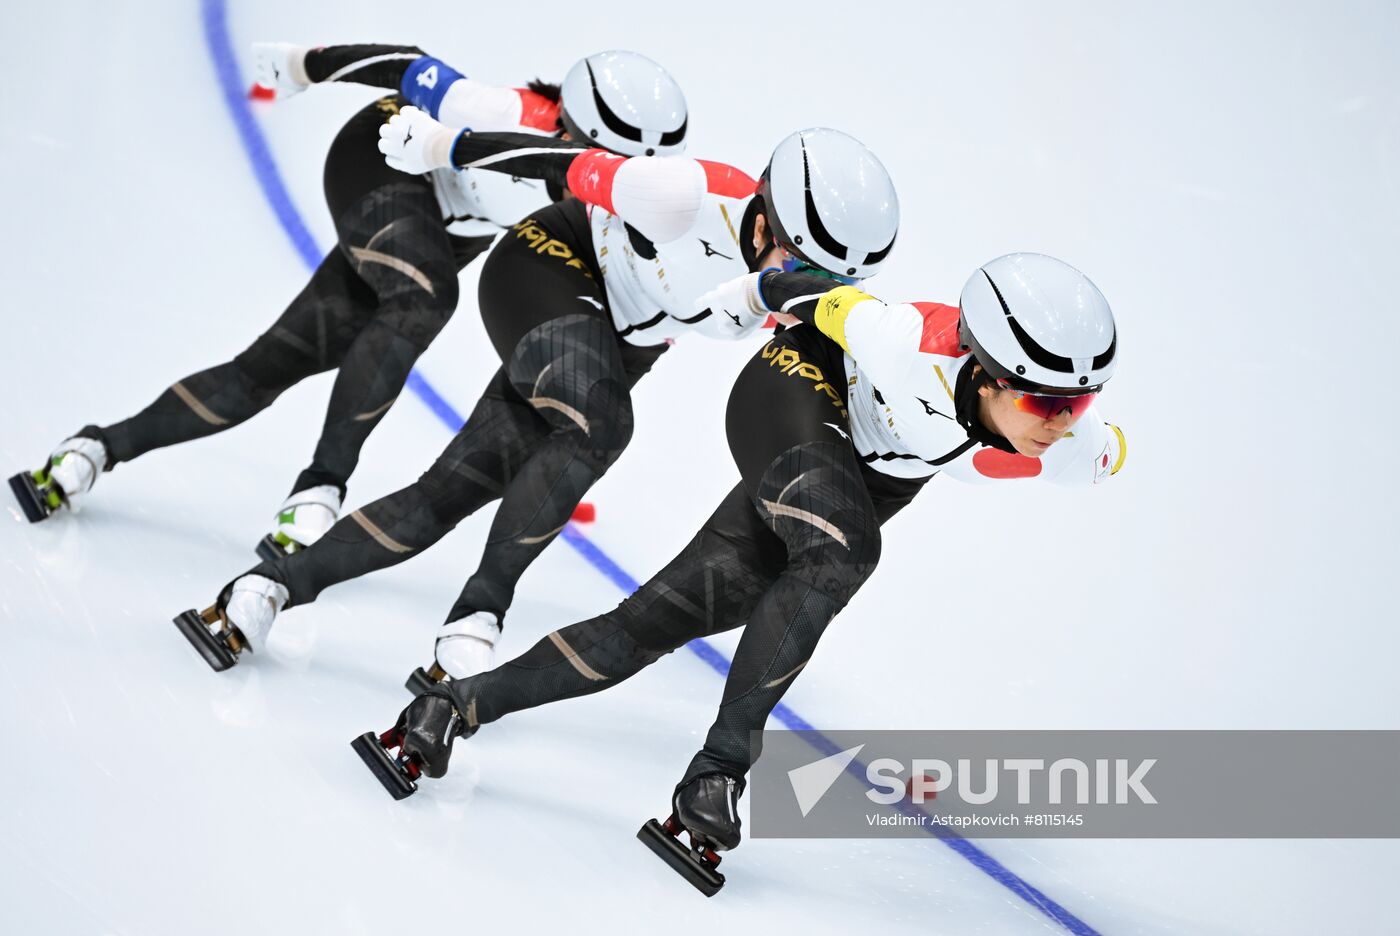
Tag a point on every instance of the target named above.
point(302, 520)
point(240, 620)
point(464, 648)
point(467, 646)
point(70, 473)
point(253, 605)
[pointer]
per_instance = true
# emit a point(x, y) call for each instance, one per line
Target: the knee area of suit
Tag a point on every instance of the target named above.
point(407, 266)
point(600, 644)
point(447, 502)
point(839, 566)
point(265, 370)
point(610, 420)
point(599, 415)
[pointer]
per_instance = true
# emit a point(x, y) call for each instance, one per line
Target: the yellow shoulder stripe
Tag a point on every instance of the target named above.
point(832, 309)
point(944, 380)
point(1122, 448)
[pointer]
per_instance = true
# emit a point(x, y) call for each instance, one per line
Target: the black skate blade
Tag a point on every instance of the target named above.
point(419, 682)
point(682, 860)
point(269, 550)
point(382, 766)
point(31, 499)
point(215, 652)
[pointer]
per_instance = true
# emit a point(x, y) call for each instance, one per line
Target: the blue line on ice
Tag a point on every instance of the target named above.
point(231, 84)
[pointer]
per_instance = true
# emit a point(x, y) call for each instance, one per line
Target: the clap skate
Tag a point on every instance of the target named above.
point(36, 494)
point(421, 680)
point(71, 471)
point(423, 737)
point(706, 808)
point(239, 620)
point(210, 633)
point(399, 772)
point(698, 864)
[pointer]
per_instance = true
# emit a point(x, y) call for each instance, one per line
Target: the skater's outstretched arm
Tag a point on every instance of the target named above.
point(424, 81)
point(659, 197)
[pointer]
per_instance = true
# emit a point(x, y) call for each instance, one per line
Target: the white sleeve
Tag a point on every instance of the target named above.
point(660, 196)
point(884, 340)
point(483, 107)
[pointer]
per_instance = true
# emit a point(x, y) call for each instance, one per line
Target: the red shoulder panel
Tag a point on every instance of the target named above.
point(537, 111)
point(726, 180)
point(591, 176)
point(940, 329)
point(994, 463)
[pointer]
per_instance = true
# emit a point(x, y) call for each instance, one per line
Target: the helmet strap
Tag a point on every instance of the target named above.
point(966, 405)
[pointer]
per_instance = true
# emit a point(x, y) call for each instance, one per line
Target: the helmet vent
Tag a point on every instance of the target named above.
point(814, 221)
point(676, 136)
point(882, 253)
point(614, 123)
point(992, 283)
point(1032, 349)
point(1103, 360)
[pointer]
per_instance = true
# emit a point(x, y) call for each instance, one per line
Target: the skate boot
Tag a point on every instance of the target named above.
point(71, 471)
point(707, 809)
point(464, 647)
point(302, 520)
point(240, 619)
point(423, 736)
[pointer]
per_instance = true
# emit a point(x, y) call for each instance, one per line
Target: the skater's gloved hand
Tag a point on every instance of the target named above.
point(281, 66)
point(415, 143)
point(737, 305)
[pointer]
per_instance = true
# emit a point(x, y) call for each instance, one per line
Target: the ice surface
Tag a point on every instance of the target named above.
point(1226, 173)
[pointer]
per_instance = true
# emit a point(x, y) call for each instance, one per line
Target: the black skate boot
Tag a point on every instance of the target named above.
point(706, 808)
point(423, 735)
point(210, 633)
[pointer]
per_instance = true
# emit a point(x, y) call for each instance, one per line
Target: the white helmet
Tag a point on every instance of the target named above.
point(1039, 324)
point(830, 202)
point(624, 102)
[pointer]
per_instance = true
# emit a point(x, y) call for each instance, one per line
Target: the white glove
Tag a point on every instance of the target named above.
point(415, 143)
point(281, 66)
point(735, 305)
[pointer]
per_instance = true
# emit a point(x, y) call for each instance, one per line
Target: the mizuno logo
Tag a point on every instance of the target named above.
point(710, 251)
point(929, 410)
point(839, 430)
point(595, 302)
point(735, 318)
